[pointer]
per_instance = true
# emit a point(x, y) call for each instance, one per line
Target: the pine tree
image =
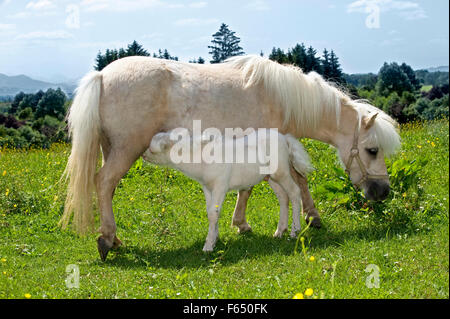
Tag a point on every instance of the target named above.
point(336, 71)
point(326, 65)
point(136, 49)
point(312, 63)
point(278, 55)
point(164, 55)
point(297, 56)
point(100, 62)
point(225, 44)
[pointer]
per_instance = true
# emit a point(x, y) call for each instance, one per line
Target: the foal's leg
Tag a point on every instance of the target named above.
point(293, 193)
point(283, 200)
point(116, 165)
point(214, 206)
point(239, 219)
point(309, 210)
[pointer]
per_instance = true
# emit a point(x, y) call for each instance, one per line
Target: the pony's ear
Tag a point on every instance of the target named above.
point(369, 120)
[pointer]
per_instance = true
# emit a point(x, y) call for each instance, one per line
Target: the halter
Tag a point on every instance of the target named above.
point(354, 153)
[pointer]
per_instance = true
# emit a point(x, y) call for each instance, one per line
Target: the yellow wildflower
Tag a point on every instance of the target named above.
point(312, 258)
point(3, 260)
point(28, 296)
point(432, 144)
point(298, 296)
point(4, 173)
point(309, 292)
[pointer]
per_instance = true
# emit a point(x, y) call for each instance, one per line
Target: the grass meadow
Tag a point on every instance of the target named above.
point(161, 219)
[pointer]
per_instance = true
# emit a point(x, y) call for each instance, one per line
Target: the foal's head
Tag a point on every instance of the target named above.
point(363, 147)
point(158, 151)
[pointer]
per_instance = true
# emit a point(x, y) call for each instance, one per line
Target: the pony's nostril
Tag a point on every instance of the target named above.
point(377, 191)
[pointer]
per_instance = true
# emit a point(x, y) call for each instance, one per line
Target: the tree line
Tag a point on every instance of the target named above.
point(38, 119)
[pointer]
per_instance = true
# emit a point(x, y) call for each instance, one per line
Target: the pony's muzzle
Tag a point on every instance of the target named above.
point(377, 190)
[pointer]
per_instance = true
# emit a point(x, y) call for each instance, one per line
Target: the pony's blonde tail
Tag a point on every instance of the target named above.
point(84, 129)
point(298, 157)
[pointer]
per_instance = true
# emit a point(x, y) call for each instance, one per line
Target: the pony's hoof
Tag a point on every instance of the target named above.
point(244, 228)
point(103, 248)
point(207, 248)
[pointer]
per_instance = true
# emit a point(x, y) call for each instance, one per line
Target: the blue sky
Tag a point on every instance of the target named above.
point(51, 39)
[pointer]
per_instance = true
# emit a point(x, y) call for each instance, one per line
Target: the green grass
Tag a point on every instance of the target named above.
point(161, 219)
point(426, 88)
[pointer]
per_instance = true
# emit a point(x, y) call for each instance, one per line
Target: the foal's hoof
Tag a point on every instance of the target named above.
point(279, 233)
point(313, 217)
point(103, 248)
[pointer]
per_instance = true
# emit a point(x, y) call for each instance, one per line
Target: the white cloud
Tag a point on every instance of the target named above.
point(135, 5)
point(258, 5)
point(119, 5)
point(50, 35)
point(40, 5)
point(195, 22)
point(198, 5)
point(406, 9)
point(7, 27)
point(19, 15)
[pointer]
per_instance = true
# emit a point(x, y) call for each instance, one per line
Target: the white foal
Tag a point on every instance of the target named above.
point(217, 178)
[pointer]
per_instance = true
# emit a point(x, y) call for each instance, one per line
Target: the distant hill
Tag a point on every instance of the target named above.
point(11, 85)
point(432, 76)
point(439, 69)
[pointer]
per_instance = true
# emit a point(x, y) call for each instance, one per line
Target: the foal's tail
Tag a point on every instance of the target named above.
point(298, 157)
point(84, 128)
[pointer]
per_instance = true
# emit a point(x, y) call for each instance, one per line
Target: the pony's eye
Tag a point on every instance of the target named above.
point(372, 151)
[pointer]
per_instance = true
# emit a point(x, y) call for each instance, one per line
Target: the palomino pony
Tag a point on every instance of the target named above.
point(120, 109)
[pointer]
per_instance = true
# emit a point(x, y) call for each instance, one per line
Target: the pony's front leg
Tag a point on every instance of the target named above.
point(309, 210)
point(239, 219)
point(213, 207)
point(283, 201)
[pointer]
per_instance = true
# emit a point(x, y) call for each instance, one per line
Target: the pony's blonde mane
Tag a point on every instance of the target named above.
point(305, 98)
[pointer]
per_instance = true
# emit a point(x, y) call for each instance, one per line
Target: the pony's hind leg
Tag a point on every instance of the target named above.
point(239, 219)
point(116, 165)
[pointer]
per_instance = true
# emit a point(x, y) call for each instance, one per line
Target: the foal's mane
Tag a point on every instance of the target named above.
point(305, 98)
